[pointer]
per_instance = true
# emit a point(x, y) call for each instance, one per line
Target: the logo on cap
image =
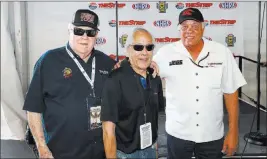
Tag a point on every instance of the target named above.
point(123, 40)
point(87, 17)
point(230, 40)
point(187, 12)
point(162, 6)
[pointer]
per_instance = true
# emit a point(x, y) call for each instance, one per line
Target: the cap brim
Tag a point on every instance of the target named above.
point(189, 18)
point(86, 25)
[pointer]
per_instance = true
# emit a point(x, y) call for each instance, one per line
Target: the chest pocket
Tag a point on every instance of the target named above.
point(213, 76)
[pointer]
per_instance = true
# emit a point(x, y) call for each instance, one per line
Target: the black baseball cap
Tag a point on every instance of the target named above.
point(85, 17)
point(191, 14)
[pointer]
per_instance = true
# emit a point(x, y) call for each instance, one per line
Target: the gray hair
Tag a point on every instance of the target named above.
point(130, 39)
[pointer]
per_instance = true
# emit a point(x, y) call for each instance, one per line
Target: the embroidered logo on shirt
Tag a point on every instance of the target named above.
point(67, 72)
point(103, 72)
point(176, 62)
point(213, 64)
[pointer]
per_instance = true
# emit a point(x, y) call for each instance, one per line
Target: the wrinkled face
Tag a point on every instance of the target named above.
point(191, 32)
point(79, 39)
point(141, 50)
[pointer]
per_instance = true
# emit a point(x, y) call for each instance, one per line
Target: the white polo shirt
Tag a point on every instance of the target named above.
point(194, 95)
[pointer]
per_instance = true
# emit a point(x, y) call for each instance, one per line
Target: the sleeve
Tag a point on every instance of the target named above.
point(232, 77)
point(110, 100)
point(159, 60)
point(34, 97)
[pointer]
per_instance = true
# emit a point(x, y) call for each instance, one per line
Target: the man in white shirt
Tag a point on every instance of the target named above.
point(198, 74)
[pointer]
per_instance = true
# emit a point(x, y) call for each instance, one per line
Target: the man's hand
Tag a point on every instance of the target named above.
point(44, 152)
point(155, 67)
point(230, 143)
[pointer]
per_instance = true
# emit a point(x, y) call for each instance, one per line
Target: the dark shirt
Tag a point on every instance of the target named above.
point(61, 93)
point(123, 104)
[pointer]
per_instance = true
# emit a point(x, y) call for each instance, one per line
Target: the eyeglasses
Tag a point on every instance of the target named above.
point(80, 32)
point(138, 47)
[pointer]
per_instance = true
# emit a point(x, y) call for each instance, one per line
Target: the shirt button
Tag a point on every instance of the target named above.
point(197, 113)
point(196, 74)
point(197, 124)
point(197, 87)
point(197, 100)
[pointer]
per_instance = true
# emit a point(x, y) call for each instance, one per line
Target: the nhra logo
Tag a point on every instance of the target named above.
point(141, 6)
point(100, 41)
point(92, 6)
point(112, 23)
point(162, 6)
point(230, 40)
point(228, 5)
point(162, 23)
point(179, 5)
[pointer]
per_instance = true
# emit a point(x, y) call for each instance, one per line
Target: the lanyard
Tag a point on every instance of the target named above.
point(90, 81)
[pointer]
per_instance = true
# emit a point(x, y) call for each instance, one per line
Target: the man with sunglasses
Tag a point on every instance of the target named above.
point(63, 101)
point(198, 74)
point(130, 102)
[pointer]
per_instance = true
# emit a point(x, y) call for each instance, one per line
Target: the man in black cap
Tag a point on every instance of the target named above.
point(63, 100)
point(199, 73)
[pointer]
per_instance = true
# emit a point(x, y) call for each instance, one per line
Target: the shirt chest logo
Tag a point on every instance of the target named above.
point(67, 72)
point(104, 72)
point(176, 62)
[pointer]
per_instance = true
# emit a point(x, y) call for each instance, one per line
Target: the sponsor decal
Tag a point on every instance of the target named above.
point(230, 40)
point(141, 6)
point(112, 23)
point(222, 22)
point(208, 38)
point(162, 23)
point(162, 6)
point(100, 41)
point(202, 5)
point(92, 6)
point(166, 40)
point(179, 5)
point(227, 5)
point(123, 39)
point(67, 72)
point(206, 22)
point(176, 62)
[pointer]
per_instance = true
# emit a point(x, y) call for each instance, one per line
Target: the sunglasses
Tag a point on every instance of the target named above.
point(138, 47)
point(80, 32)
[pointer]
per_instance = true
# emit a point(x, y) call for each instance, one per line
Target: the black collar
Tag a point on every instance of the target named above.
point(77, 56)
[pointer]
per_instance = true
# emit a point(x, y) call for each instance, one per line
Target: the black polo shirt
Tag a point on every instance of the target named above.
point(60, 92)
point(123, 104)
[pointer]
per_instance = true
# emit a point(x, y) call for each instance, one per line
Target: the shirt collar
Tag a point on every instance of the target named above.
point(77, 56)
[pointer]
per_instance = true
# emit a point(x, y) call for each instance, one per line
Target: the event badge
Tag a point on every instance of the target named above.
point(94, 112)
point(145, 135)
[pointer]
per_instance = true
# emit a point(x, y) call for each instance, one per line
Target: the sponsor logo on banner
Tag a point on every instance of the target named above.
point(228, 5)
point(93, 5)
point(222, 22)
point(206, 22)
point(166, 40)
point(123, 39)
point(200, 5)
point(179, 5)
point(162, 6)
point(112, 23)
point(230, 40)
point(141, 6)
point(100, 41)
point(162, 23)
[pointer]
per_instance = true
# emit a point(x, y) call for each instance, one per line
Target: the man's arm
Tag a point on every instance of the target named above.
point(231, 102)
point(110, 144)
